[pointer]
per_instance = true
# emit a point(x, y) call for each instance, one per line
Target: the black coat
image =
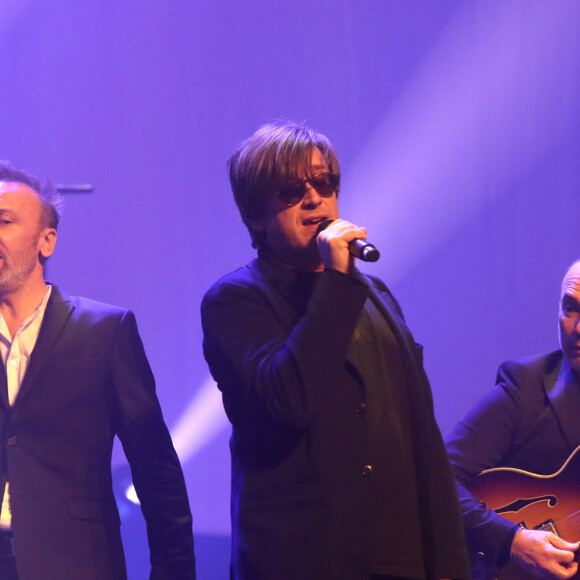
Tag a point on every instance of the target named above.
point(88, 380)
point(301, 501)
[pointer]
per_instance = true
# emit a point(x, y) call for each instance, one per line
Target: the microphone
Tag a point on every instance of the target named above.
point(358, 248)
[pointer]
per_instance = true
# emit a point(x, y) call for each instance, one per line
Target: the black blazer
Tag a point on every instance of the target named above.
point(529, 420)
point(88, 380)
point(301, 505)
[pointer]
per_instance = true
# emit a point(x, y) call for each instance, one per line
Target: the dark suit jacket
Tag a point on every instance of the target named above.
point(529, 421)
point(302, 506)
point(89, 380)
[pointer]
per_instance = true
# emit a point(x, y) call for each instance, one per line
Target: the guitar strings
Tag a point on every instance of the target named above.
point(569, 522)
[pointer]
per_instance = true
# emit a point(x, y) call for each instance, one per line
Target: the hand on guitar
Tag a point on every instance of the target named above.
point(544, 554)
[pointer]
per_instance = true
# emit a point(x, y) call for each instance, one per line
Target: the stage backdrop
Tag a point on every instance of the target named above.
point(457, 123)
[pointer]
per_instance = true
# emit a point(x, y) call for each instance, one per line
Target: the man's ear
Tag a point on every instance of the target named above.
point(46, 242)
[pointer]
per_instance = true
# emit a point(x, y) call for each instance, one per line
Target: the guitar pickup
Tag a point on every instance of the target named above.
point(548, 526)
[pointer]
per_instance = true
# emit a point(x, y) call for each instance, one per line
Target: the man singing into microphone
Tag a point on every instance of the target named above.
point(338, 467)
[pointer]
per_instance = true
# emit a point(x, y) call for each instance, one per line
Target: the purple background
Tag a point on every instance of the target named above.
point(457, 124)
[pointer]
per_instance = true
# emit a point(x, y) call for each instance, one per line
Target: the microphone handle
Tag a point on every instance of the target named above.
point(364, 251)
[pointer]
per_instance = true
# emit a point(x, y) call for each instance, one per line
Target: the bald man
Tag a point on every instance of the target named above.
point(530, 420)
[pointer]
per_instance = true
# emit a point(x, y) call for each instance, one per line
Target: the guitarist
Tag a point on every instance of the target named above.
point(530, 420)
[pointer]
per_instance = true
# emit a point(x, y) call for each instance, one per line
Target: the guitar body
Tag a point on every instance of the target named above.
point(540, 502)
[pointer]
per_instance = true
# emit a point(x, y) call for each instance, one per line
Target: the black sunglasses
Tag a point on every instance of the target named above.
point(325, 185)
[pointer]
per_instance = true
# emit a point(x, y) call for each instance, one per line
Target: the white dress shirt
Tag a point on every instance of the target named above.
point(15, 354)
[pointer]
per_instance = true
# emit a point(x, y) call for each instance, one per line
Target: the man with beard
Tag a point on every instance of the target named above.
point(338, 467)
point(75, 376)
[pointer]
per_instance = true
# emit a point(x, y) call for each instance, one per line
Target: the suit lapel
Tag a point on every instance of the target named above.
point(58, 311)
point(411, 352)
point(561, 390)
point(388, 310)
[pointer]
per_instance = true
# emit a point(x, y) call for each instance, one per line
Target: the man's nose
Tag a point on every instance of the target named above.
point(311, 197)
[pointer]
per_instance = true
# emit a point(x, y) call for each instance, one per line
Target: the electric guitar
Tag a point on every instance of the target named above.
point(539, 502)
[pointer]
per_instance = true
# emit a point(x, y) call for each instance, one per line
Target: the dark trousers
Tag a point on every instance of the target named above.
point(8, 568)
point(7, 560)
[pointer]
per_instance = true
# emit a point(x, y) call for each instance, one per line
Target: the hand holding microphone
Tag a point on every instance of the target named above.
point(359, 248)
point(342, 244)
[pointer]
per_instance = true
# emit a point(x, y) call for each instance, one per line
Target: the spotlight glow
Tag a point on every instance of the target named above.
point(480, 111)
point(202, 420)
